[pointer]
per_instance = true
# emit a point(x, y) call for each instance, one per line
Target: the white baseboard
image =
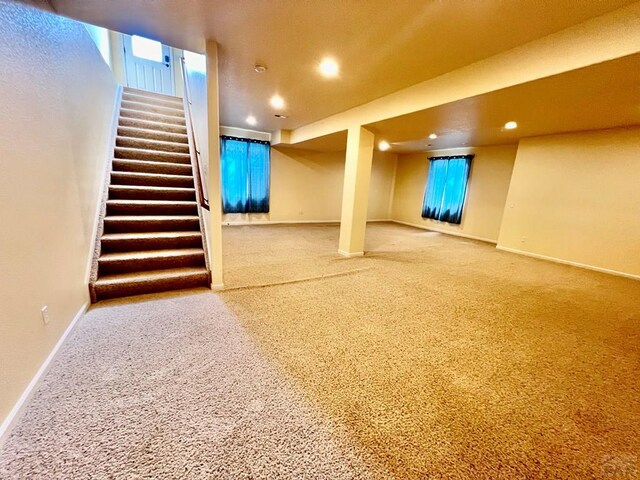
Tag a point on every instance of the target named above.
point(17, 409)
point(289, 222)
point(568, 262)
point(349, 255)
point(447, 232)
point(242, 223)
point(217, 286)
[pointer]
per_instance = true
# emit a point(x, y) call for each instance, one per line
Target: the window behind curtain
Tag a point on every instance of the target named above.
point(245, 168)
point(446, 188)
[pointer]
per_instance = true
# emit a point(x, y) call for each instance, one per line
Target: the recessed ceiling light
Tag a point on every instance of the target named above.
point(383, 145)
point(277, 115)
point(329, 68)
point(259, 68)
point(277, 102)
point(511, 125)
point(433, 136)
point(251, 120)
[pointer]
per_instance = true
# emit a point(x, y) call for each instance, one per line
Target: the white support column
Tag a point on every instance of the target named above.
point(355, 194)
point(213, 180)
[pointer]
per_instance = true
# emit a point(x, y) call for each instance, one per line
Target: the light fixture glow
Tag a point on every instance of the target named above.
point(511, 125)
point(433, 136)
point(277, 102)
point(329, 68)
point(251, 120)
point(383, 145)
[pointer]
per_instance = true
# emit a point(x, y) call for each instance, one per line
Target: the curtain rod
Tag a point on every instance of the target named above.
point(451, 157)
point(248, 140)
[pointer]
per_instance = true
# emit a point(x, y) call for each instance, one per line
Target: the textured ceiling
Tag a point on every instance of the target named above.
point(382, 46)
point(605, 95)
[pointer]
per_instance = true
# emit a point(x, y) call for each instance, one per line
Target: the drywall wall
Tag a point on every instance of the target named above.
point(306, 186)
point(56, 99)
point(576, 198)
point(100, 37)
point(197, 87)
point(486, 191)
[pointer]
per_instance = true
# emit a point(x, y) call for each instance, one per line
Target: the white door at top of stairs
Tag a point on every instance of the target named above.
point(148, 64)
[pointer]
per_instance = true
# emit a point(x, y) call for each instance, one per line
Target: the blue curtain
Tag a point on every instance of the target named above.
point(446, 188)
point(245, 166)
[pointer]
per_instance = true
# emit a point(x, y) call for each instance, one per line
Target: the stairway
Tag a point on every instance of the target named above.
point(151, 239)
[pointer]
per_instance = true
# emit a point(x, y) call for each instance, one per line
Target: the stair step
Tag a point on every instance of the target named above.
point(148, 144)
point(139, 192)
point(151, 207)
point(151, 179)
point(153, 155)
point(153, 117)
point(151, 223)
point(151, 125)
point(135, 97)
point(147, 93)
point(121, 165)
point(128, 242)
point(152, 134)
point(124, 285)
point(126, 262)
point(151, 108)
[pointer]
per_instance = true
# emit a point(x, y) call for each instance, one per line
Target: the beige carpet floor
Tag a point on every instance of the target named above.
point(430, 357)
point(170, 386)
point(447, 358)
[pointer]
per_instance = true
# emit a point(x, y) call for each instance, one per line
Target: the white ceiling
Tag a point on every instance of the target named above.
point(382, 46)
point(604, 95)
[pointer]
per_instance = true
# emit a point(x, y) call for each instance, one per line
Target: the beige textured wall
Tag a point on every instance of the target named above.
point(56, 98)
point(486, 191)
point(307, 186)
point(576, 198)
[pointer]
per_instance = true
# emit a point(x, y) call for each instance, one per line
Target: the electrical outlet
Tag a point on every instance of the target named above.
point(523, 240)
point(45, 314)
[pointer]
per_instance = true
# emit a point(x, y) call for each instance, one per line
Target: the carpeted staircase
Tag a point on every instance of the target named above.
point(151, 233)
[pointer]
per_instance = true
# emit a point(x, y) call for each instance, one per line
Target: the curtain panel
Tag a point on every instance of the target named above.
point(245, 166)
point(446, 188)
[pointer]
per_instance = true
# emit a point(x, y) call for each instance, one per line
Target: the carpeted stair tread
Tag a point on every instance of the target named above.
point(152, 116)
point(154, 155)
point(149, 166)
point(134, 97)
point(147, 124)
point(137, 283)
point(152, 134)
point(128, 242)
point(150, 223)
point(151, 207)
point(144, 192)
point(149, 144)
point(166, 253)
point(145, 260)
point(146, 93)
point(151, 274)
point(147, 235)
point(151, 179)
point(150, 107)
